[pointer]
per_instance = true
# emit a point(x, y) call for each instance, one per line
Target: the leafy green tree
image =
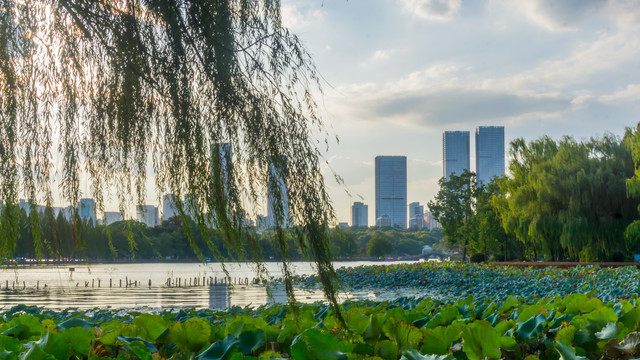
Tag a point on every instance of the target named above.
point(453, 208)
point(379, 246)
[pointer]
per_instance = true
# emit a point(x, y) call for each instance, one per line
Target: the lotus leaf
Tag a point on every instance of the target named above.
point(481, 341)
point(192, 335)
point(220, 350)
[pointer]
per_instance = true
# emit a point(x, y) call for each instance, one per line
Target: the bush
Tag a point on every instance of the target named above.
point(617, 256)
point(478, 258)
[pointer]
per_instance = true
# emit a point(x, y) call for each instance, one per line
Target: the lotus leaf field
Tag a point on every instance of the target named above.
point(571, 321)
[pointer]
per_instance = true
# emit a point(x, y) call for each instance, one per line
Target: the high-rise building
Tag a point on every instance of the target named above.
point(278, 197)
point(391, 190)
point(112, 216)
point(169, 207)
point(416, 215)
point(147, 214)
point(87, 210)
point(431, 222)
point(489, 152)
point(455, 152)
point(359, 215)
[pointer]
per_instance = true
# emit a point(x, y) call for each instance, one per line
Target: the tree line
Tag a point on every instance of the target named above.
point(60, 238)
point(561, 200)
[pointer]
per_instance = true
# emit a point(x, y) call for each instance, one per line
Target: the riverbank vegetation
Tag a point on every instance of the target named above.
point(561, 200)
point(60, 239)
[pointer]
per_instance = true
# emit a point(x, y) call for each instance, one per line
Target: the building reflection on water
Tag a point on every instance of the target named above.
point(219, 296)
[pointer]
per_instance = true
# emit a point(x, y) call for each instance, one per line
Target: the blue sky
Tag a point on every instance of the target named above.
point(400, 72)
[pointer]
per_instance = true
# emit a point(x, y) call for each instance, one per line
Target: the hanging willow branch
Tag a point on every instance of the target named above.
point(126, 91)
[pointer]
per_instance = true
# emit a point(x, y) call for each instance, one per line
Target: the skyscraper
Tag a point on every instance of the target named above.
point(391, 190)
point(489, 152)
point(455, 152)
point(112, 216)
point(278, 197)
point(359, 214)
point(147, 214)
point(416, 215)
point(87, 210)
point(169, 207)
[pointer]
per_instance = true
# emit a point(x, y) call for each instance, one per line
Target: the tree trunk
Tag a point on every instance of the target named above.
point(464, 249)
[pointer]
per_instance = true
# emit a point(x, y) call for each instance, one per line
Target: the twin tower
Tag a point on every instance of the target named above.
point(391, 171)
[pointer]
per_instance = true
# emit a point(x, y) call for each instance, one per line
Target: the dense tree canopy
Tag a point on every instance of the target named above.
point(124, 91)
point(568, 200)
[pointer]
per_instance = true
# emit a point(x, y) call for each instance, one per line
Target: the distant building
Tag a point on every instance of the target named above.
point(431, 222)
point(87, 210)
point(359, 215)
point(455, 152)
point(147, 214)
point(24, 205)
point(391, 190)
point(67, 212)
point(416, 215)
point(169, 207)
point(489, 152)
point(343, 225)
point(111, 217)
point(278, 197)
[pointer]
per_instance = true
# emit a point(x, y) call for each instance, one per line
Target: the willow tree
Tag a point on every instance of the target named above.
point(122, 92)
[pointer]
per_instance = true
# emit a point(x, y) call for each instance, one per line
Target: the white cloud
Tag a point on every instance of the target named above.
point(630, 93)
point(433, 9)
point(381, 54)
point(293, 17)
point(607, 53)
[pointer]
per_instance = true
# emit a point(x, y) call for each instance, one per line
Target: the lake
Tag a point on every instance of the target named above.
point(105, 285)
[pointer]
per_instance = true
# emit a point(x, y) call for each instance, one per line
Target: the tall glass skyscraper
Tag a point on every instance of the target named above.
point(455, 152)
point(391, 190)
point(359, 214)
point(489, 152)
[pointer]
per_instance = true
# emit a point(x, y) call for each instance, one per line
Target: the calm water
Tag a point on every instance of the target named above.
point(91, 286)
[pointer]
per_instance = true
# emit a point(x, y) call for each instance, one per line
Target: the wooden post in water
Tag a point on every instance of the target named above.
point(93, 282)
point(38, 285)
point(120, 282)
point(24, 285)
point(149, 282)
point(98, 282)
point(110, 283)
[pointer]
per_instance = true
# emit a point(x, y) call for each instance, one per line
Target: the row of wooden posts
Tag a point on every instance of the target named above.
point(171, 282)
point(210, 281)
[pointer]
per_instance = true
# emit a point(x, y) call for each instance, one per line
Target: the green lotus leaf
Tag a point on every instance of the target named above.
point(251, 341)
point(387, 349)
point(531, 328)
point(75, 322)
point(316, 345)
point(151, 347)
point(414, 355)
point(567, 352)
point(438, 341)
point(374, 328)
point(480, 341)
point(150, 326)
point(445, 317)
point(191, 335)
point(566, 335)
point(79, 340)
point(220, 350)
point(402, 333)
point(35, 352)
point(357, 321)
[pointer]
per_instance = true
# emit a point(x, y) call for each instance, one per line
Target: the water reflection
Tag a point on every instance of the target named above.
point(100, 286)
point(219, 296)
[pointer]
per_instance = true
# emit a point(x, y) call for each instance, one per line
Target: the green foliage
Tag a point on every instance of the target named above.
point(379, 246)
point(567, 200)
point(478, 258)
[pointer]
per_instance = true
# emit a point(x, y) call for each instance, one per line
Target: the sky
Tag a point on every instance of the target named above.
point(398, 73)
